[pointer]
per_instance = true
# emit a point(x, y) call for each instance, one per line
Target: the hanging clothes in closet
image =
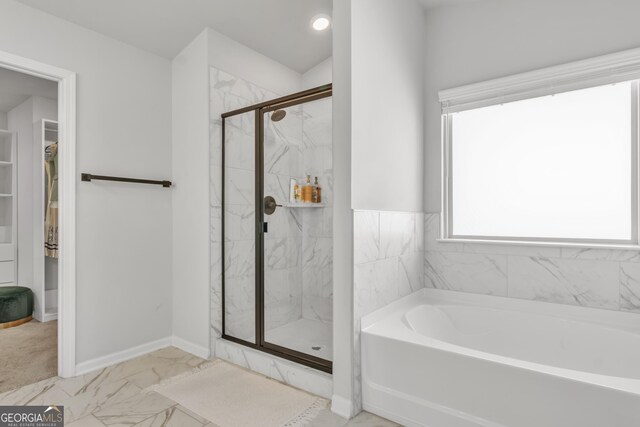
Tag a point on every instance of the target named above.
point(51, 202)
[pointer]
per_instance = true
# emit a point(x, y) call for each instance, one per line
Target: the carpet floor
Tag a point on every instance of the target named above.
point(28, 354)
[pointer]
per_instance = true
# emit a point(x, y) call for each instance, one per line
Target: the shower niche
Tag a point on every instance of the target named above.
point(277, 251)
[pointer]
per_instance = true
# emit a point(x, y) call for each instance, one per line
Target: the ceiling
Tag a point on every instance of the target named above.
point(435, 3)
point(279, 29)
point(15, 88)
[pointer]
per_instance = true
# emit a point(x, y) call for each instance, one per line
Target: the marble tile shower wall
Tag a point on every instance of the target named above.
point(317, 230)
point(597, 278)
point(388, 253)
point(282, 242)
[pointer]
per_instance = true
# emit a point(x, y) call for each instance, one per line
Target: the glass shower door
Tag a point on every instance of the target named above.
point(239, 226)
point(277, 268)
point(296, 257)
point(282, 238)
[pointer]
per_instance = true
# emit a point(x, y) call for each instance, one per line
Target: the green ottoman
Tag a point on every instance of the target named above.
point(16, 305)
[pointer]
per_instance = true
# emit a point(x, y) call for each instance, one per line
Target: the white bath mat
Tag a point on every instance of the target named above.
point(230, 396)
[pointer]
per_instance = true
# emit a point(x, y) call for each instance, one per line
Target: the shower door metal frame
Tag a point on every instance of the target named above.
point(260, 110)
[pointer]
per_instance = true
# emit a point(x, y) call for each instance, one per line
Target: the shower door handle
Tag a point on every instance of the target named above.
point(270, 205)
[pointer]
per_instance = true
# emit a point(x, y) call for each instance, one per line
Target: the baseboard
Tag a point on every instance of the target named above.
point(341, 406)
point(189, 347)
point(48, 317)
point(121, 356)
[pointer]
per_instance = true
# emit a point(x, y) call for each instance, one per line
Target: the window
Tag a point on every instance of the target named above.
point(560, 166)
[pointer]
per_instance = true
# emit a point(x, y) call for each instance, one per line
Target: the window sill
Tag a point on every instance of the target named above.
point(611, 246)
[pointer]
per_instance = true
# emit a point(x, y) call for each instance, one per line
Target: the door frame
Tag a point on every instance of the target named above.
point(66, 200)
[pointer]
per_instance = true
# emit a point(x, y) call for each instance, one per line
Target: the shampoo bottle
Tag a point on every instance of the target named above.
point(293, 190)
point(317, 192)
point(307, 191)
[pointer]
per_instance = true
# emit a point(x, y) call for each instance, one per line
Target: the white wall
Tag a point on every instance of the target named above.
point(477, 41)
point(123, 128)
point(237, 59)
point(190, 118)
point(387, 105)
point(3, 120)
point(343, 333)
point(319, 75)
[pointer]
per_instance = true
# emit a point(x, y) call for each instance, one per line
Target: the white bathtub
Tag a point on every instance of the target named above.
point(448, 359)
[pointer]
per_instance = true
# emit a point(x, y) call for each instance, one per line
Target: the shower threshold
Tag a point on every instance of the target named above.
point(309, 336)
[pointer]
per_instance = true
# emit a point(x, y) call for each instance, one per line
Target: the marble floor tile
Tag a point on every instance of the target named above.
point(370, 420)
point(142, 371)
point(115, 396)
point(134, 410)
point(159, 372)
point(194, 415)
point(40, 393)
point(50, 396)
point(176, 416)
point(102, 396)
point(88, 421)
point(326, 418)
point(82, 383)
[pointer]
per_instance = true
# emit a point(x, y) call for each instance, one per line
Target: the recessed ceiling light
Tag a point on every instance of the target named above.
point(320, 22)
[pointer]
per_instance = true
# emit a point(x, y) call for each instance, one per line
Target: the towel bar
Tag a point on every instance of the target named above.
point(89, 177)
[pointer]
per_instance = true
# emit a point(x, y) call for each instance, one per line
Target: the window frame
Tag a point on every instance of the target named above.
point(609, 69)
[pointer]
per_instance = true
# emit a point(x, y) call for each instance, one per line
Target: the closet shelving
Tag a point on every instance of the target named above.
point(8, 206)
point(45, 268)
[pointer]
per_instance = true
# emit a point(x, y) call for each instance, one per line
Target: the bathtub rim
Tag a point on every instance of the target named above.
point(624, 320)
point(391, 317)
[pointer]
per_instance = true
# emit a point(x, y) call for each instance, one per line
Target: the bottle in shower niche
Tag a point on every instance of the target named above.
point(317, 192)
point(294, 190)
point(298, 193)
point(307, 191)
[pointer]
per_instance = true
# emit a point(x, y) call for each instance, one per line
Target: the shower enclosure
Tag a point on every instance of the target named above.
point(277, 252)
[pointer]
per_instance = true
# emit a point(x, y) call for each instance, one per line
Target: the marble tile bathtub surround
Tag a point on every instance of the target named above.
point(366, 231)
point(630, 286)
point(599, 278)
point(578, 282)
point(388, 265)
point(467, 272)
point(387, 250)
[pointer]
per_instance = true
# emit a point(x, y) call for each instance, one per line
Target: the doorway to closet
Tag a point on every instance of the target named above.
point(28, 228)
point(37, 221)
